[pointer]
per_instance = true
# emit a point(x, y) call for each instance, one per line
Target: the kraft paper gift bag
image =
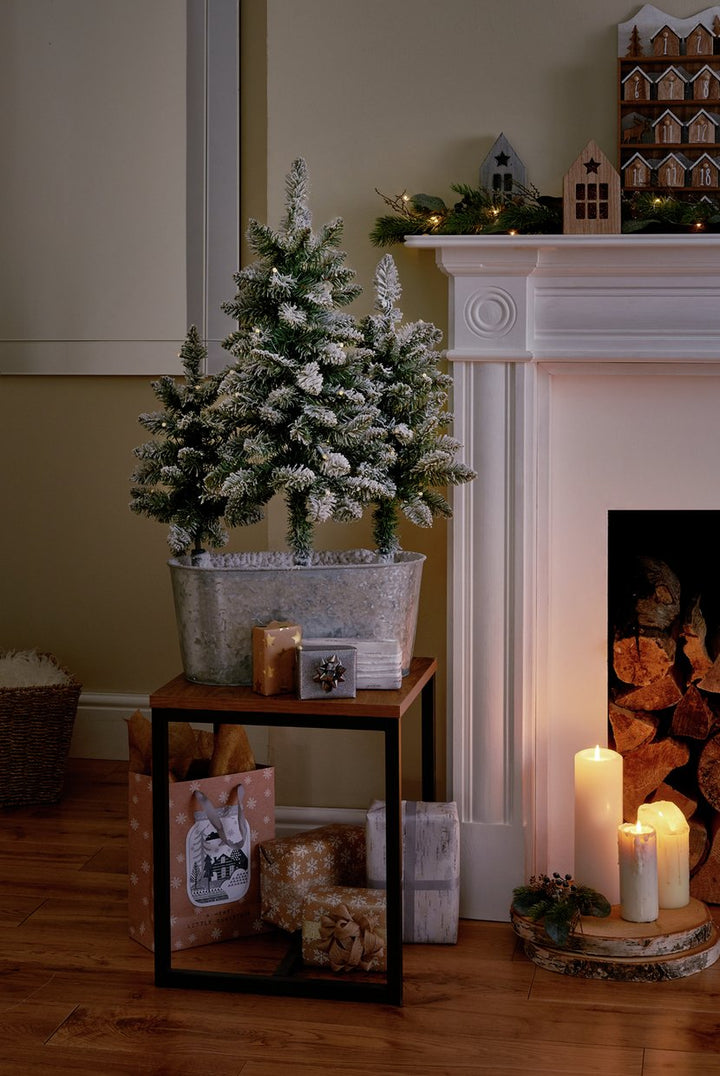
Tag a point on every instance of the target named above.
point(216, 826)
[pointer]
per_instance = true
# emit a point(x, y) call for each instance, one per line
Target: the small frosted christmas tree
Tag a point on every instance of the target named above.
point(299, 409)
point(169, 480)
point(412, 395)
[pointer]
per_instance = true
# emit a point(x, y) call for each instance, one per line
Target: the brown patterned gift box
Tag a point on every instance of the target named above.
point(290, 867)
point(216, 826)
point(344, 928)
point(431, 867)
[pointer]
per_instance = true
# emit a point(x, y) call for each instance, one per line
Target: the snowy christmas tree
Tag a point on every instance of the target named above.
point(300, 413)
point(169, 480)
point(412, 398)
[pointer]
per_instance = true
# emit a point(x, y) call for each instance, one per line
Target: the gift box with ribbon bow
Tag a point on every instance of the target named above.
point(344, 928)
point(326, 672)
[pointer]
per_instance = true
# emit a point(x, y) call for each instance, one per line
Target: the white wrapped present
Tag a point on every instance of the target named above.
point(431, 867)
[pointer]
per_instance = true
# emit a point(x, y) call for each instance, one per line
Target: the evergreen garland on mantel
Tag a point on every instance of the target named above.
point(527, 212)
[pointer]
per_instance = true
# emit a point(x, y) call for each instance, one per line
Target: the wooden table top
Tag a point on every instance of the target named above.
point(182, 694)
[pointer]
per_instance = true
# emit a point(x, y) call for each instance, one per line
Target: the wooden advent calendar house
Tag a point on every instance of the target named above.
point(591, 195)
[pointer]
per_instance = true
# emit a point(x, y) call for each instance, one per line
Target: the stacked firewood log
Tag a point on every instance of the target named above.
point(664, 708)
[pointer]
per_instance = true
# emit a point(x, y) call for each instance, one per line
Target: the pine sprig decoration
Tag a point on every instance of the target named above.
point(477, 211)
point(650, 211)
point(412, 401)
point(560, 903)
point(299, 410)
point(169, 478)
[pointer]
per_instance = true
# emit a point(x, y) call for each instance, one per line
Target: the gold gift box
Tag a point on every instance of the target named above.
point(273, 650)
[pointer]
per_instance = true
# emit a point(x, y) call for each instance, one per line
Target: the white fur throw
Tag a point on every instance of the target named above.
point(28, 668)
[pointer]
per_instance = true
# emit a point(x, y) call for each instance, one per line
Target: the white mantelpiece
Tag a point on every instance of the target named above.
point(585, 380)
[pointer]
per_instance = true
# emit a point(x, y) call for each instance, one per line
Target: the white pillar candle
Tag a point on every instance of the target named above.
point(673, 851)
point(598, 813)
point(637, 847)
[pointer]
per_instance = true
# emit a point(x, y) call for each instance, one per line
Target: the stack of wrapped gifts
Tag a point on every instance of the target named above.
point(329, 883)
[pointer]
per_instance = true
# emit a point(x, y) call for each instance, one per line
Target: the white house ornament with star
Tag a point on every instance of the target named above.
point(591, 195)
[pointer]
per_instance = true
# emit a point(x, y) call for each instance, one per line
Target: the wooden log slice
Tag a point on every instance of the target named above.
point(705, 882)
point(631, 970)
point(643, 658)
point(708, 772)
point(646, 768)
point(659, 695)
point(658, 588)
point(630, 728)
point(699, 847)
point(686, 804)
point(710, 682)
point(674, 930)
point(692, 716)
point(692, 636)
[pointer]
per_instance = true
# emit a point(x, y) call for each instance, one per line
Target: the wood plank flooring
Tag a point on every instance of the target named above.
point(77, 995)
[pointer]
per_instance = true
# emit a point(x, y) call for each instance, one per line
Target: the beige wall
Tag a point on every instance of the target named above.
point(391, 94)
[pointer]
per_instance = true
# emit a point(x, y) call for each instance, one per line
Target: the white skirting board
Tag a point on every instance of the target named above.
point(100, 730)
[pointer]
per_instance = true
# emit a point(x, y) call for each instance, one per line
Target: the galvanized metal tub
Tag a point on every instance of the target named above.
point(354, 594)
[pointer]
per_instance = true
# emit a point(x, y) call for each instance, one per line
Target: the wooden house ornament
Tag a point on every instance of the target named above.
point(591, 195)
point(636, 85)
point(666, 42)
point(699, 42)
point(671, 84)
point(704, 173)
point(502, 170)
point(672, 170)
point(705, 84)
point(703, 127)
point(667, 129)
point(638, 171)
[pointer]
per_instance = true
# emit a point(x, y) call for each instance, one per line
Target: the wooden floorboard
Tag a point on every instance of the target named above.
point(77, 995)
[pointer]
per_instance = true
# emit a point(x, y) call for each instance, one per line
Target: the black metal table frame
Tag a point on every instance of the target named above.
point(282, 982)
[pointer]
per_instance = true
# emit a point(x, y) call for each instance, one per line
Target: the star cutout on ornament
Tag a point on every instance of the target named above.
point(330, 673)
point(592, 166)
point(502, 159)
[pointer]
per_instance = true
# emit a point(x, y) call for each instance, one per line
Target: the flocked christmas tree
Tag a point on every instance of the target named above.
point(169, 480)
point(412, 394)
point(299, 409)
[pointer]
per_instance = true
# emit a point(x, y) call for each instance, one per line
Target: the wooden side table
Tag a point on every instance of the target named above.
point(181, 700)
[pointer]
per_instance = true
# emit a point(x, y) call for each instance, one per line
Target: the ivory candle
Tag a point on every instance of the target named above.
point(637, 847)
point(673, 851)
point(598, 813)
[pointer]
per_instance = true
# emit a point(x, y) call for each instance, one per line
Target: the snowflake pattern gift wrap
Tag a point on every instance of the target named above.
point(344, 928)
point(291, 867)
point(216, 826)
point(431, 867)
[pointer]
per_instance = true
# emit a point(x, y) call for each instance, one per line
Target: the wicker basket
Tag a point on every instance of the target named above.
point(36, 725)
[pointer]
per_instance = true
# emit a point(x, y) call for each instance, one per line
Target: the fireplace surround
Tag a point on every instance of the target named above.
point(585, 374)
